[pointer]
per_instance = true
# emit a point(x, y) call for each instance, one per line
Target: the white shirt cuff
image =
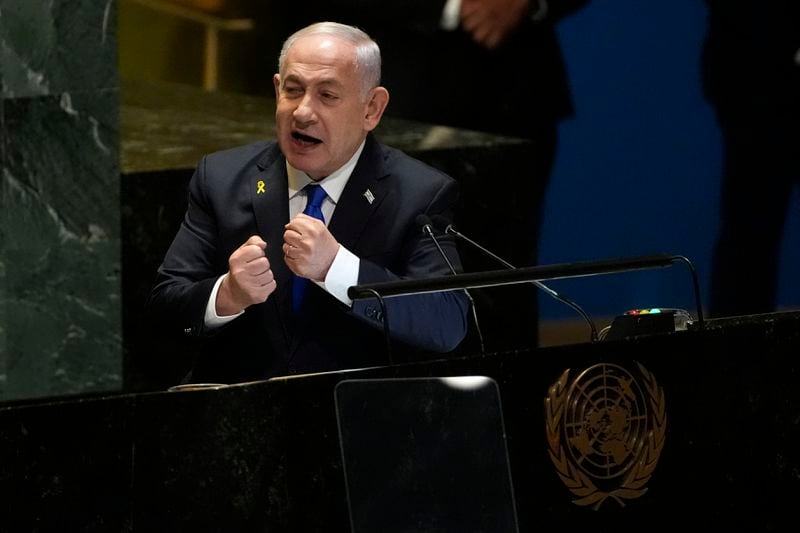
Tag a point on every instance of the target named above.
point(211, 319)
point(450, 15)
point(541, 11)
point(342, 275)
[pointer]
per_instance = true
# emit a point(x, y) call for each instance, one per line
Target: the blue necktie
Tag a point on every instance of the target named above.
point(315, 195)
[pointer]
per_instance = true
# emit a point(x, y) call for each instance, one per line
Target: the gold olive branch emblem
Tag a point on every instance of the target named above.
point(645, 461)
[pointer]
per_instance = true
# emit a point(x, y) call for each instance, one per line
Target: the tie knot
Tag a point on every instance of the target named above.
point(316, 195)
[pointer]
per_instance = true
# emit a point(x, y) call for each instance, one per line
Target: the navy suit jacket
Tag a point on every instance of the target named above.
point(375, 219)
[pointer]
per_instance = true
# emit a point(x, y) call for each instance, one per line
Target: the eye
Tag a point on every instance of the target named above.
point(293, 90)
point(329, 97)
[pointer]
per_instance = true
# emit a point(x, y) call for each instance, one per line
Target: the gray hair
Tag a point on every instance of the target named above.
point(368, 54)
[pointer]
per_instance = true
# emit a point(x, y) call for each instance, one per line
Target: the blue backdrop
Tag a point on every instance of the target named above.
point(638, 166)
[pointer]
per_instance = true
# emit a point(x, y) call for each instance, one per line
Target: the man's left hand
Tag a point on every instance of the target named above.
point(308, 247)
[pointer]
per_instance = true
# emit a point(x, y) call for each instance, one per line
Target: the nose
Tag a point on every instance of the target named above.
point(304, 112)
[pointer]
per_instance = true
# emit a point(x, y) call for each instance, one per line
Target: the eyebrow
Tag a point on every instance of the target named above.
point(323, 81)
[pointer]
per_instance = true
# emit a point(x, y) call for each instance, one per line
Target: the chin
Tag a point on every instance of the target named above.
point(302, 164)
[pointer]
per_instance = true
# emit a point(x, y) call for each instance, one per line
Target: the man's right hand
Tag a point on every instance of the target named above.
point(490, 22)
point(249, 280)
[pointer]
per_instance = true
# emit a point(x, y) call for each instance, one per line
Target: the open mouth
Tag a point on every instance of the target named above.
point(305, 139)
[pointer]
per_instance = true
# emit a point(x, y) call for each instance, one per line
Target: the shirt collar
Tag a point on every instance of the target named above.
point(333, 184)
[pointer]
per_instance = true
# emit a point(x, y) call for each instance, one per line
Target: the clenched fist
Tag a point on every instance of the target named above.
point(309, 248)
point(249, 280)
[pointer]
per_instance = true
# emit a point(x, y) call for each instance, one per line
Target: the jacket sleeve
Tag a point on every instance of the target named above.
point(187, 275)
point(431, 321)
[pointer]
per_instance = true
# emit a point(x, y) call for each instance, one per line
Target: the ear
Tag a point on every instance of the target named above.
point(276, 80)
point(377, 100)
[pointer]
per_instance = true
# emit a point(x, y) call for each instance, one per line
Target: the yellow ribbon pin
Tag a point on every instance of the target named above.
point(260, 187)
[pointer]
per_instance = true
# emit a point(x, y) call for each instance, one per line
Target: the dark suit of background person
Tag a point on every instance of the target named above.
point(752, 77)
point(518, 88)
point(238, 193)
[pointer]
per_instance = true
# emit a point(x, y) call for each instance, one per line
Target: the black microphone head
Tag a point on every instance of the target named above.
point(422, 221)
point(441, 223)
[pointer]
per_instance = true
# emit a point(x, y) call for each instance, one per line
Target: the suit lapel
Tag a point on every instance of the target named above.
point(364, 192)
point(270, 195)
point(361, 197)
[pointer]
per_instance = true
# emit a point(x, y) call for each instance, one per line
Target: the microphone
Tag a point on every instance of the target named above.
point(445, 225)
point(425, 224)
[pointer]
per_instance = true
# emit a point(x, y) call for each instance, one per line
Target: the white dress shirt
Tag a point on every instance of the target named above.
point(343, 272)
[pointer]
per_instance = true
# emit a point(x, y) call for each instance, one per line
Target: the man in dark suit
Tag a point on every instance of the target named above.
point(751, 74)
point(244, 243)
point(489, 65)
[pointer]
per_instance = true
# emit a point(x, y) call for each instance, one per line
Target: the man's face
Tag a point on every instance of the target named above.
point(321, 115)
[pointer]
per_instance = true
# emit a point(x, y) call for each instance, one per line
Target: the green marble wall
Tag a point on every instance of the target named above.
point(60, 308)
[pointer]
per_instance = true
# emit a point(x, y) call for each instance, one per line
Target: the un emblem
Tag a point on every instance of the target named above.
point(605, 432)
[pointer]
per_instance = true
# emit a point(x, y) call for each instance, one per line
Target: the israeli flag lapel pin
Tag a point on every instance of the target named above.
point(369, 196)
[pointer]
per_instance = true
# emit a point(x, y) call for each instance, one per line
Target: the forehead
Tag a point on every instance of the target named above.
point(320, 52)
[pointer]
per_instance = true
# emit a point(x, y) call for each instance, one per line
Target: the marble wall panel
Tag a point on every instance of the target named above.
point(60, 317)
point(61, 184)
point(3, 226)
point(56, 46)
